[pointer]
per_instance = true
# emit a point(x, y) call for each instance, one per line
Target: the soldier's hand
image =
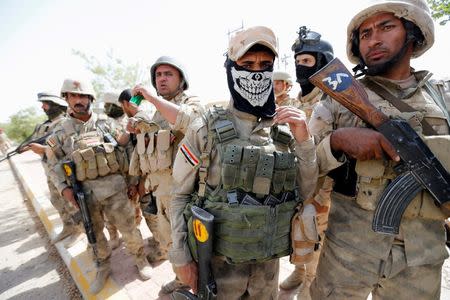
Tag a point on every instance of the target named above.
point(362, 143)
point(188, 274)
point(296, 119)
point(69, 196)
point(141, 90)
point(35, 147)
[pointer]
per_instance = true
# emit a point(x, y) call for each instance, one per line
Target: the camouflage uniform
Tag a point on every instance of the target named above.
point(107, 194)
point(161, 182)
point(311, 43)
point(97, 166)
point(355, 260)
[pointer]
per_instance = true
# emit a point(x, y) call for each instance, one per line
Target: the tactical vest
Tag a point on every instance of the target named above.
point(93, 157)
point(255, 201)
point(373, 176)
point(153, 152)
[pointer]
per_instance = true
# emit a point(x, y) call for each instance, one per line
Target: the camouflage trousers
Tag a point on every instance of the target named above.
point(159, 224)
point(344, 273)
point(257, 281)
point(112, 229)
point(63, 207)
point(120, 212)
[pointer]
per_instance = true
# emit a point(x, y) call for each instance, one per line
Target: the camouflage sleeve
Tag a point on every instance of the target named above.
point(307, 167)
point(188, 112)
point(187, 163)
point(321, 126)
point(55, 156)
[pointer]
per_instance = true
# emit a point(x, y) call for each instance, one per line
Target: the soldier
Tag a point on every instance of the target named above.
point(55, 108)
point(88, 139)
point(174, 112)
point(282, 84)
point(147, 203)
point(311, 53)
point(113, 109)
point(236, 162)
point(355, 261)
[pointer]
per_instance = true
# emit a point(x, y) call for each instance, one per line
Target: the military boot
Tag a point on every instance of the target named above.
point(102, 275)
point(174, 285)
point(66, 231)
point(144, 268)
point(295, 279)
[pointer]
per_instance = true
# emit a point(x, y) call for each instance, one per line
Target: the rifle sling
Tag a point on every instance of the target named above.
point(399, 104)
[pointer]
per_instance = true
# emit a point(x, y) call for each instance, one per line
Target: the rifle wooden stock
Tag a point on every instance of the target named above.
point(336, 81)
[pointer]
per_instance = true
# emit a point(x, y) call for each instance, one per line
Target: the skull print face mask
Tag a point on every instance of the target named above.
point(252, 91)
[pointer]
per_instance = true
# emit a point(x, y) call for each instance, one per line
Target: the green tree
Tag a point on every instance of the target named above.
point(440, 10)
point(112, 73)
point(21, 125)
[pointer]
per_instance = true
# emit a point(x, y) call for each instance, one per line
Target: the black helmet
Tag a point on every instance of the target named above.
point(310, 41)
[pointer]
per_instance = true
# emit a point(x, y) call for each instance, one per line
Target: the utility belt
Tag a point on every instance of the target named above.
point(245, 229)
point(98, 161)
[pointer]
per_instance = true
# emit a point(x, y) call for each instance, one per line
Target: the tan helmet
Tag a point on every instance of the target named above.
point(281, 75)
point(111, 97)
point(77, 87)
point(416, 11)
point(168, 60)
point(242, 41)
point(51, 97)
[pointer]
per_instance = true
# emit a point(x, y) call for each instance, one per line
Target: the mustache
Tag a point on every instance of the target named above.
point(80, 105)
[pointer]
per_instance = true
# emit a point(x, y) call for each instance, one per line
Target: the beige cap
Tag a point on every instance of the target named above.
point(242, 41)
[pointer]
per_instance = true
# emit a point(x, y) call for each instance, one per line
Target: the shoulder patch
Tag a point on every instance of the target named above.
point(189, 155)
point(51, 141)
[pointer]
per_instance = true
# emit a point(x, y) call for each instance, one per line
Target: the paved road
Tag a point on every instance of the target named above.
point(30, 267)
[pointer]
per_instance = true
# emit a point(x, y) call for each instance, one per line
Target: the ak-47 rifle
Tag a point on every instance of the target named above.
point(202, 223)
point(419, 168)
point(69, 170)
point(25, 143)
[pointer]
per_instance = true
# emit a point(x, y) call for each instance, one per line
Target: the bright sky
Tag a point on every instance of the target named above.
point(37, 38)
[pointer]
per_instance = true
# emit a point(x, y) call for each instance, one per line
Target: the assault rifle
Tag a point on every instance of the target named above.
point(25, 143)
point(69, 170)
point(419, 168)
point(202, 223)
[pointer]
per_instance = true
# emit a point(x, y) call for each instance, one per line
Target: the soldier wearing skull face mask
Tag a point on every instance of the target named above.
point(237, 154)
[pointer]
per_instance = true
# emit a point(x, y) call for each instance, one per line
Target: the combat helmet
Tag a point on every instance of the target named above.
point(167, 60)
point(51, 97)
point(77, 87)
point(311, 41)
point(416, 11)
point(111, 97)
point(281, 75)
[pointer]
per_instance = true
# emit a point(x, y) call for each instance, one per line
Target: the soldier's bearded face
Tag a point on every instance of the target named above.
point(80, 104)
point(382, 42)
point(168, 80)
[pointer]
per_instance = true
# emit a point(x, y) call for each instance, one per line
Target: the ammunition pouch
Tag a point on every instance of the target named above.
point(370, 182)
point(153, 152)
point(97, 161)
point(304, 234)
point(247, 233)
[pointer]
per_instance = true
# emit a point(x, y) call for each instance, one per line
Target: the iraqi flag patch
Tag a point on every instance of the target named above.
point(189, 155)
